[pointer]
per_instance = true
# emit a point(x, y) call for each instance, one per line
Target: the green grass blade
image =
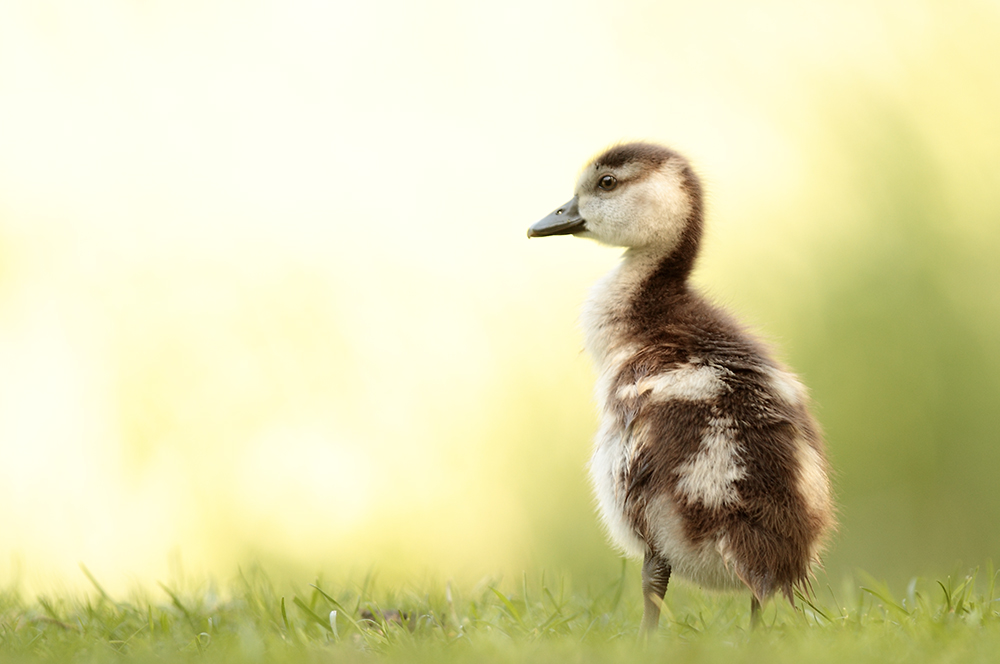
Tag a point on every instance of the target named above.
point(514, 613)
point(96, 584)
point(309, 613)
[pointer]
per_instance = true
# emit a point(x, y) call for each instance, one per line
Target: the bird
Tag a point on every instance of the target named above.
point(707, 462)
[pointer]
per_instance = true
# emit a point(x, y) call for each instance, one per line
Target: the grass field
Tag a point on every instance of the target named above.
point(534, 619)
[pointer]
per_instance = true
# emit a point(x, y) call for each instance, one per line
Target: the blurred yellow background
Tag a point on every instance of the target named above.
point(265, 292)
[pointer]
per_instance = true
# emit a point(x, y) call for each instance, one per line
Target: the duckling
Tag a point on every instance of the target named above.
point(707, 462)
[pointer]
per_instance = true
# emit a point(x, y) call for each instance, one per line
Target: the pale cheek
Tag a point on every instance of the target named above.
point(669, 233)
point(624, 227)
point(605, 223)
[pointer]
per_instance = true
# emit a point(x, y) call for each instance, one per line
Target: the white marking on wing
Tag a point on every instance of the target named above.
point(813, 483)
point(691, 382)
point(785, 385)
point(708, 478)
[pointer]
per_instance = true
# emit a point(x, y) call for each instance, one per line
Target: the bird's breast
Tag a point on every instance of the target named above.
point(614, 449)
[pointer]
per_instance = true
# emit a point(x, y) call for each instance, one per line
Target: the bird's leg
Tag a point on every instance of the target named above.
point(754, 613)
point(655, 575)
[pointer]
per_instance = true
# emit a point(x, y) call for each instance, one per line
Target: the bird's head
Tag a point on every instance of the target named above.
point(637, 195)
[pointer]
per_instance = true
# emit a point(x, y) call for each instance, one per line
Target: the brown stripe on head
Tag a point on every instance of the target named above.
point(625, 153)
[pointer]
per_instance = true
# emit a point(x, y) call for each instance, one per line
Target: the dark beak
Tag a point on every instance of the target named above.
point(564, 221)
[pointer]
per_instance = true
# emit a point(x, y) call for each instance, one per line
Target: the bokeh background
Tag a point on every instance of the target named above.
point(266, 296)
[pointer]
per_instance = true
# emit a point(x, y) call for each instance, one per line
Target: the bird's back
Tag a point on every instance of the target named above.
point(707, 453)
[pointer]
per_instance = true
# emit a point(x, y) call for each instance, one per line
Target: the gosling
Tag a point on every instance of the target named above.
point(707, 461)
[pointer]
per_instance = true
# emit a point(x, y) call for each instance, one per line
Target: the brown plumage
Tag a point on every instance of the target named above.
point(707, 461)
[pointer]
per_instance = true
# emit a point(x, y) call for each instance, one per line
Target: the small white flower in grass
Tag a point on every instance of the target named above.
point(333, 624)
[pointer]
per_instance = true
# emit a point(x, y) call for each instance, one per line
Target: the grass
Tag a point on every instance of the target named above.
point(544, 619)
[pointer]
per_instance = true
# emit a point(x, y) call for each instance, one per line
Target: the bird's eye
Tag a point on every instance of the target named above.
point(608, 182)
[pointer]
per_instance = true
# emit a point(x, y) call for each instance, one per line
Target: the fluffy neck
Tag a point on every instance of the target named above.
point(666, 269)
point(645, 290)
